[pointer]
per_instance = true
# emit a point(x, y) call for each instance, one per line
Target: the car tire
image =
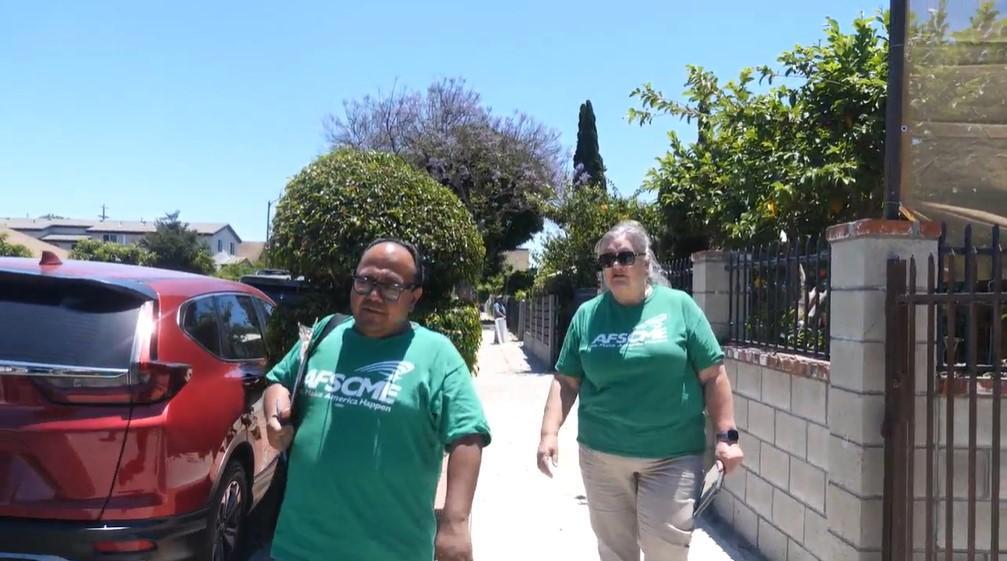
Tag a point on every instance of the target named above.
point(228, 512)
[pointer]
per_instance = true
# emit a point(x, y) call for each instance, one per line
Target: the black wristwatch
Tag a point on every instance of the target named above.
point(729, 436)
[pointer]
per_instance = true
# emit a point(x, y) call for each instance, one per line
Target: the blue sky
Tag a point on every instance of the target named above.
point(210, 107)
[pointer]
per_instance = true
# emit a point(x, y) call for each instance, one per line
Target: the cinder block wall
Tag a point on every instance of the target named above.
point(777, 501)
point(960, 470)
point(812, 487)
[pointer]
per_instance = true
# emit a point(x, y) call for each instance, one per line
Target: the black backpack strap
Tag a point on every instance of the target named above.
point(331, 323)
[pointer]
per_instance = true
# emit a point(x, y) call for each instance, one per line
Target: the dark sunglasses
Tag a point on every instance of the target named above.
point(623, 258)
point(390, 292)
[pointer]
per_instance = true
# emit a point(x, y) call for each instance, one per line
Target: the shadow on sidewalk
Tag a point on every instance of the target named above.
point(725, 538)
point(536, 367)
point(518, 360)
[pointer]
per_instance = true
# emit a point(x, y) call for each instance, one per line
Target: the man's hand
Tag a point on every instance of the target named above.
point(279, 430)
point(730, 455)
point(453, 543)
point(548, 453)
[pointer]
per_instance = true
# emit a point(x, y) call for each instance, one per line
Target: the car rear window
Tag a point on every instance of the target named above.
point(66, 323)
point(243, 337)
point(199, 320)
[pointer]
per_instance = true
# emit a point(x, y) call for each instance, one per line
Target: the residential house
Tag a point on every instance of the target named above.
point(220, 238)
point(517, 259)
point(35, 246)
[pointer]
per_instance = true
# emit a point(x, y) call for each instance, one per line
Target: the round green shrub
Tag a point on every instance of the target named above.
point(345, 199)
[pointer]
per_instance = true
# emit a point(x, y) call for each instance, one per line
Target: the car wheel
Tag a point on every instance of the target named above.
point(227, 515)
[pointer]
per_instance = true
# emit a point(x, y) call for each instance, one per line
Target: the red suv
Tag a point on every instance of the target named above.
point(131, 422)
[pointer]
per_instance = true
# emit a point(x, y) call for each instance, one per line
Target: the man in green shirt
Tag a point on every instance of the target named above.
point(381, 401)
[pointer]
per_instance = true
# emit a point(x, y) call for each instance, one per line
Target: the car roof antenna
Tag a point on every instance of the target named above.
point(49, 259)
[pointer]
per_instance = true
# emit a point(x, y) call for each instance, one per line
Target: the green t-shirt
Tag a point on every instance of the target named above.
point(640, 394)
point(375, 417)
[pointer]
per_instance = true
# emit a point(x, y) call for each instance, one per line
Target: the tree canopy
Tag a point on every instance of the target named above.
point(503, 169)
point(346, 199)
point(173, 245)
point(797, 157)
point(588, 165)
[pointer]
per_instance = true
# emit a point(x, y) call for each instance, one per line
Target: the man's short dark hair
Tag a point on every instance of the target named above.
point(413, 251)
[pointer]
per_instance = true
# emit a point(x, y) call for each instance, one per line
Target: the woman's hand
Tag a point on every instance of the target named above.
point(730, 455)
point(548, 453)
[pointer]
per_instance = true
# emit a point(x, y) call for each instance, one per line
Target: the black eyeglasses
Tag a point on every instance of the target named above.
point(624, 258)
point(390, 291)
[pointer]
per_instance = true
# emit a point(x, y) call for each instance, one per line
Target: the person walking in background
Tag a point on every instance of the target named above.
point(382, 400)
point(499, 321)
point(645, 363)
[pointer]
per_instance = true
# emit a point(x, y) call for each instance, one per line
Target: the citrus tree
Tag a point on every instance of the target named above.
point(794, 148)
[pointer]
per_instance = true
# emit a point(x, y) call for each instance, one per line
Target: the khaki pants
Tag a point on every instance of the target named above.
point(639, 503)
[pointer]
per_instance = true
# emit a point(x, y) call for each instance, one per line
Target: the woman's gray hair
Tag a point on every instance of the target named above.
point(637, 235)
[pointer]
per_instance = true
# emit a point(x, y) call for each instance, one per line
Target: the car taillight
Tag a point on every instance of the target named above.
point(158, 381)
point(146, 382)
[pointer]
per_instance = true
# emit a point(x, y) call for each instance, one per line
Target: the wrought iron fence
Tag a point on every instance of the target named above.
point(966, 270)
point(780, 295)
point(948, 471)
point(679, 273)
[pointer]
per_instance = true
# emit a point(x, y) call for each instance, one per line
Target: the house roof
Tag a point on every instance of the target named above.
point(122, 227)
point(251, 250)
point(100, 226)
point(144, 227)
point(42, 223)
point(34, 245)
point(65, 237)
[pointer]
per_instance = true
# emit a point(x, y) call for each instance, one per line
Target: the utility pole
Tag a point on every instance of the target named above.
point(269, 217)
point(269, 221)
point(104, 213)
point(897, 137)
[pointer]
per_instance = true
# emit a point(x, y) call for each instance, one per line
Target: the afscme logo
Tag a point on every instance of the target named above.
point(375, 381)
point(653, 330)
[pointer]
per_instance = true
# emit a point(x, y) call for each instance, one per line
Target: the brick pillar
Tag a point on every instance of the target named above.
point(710, 290)
point(711, 285)
point(854, 493)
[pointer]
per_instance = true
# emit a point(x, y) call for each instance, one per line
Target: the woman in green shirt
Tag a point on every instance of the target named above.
point(646, 365)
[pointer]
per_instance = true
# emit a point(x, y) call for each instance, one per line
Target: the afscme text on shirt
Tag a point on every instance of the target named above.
point(373, 386)
point(653, 330)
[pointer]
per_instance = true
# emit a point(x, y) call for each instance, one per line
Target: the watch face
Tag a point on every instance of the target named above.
point(730, 436)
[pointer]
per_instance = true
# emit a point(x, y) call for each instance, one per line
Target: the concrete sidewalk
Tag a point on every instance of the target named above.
point(519, 514)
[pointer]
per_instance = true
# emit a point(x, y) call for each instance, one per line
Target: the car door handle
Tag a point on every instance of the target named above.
point(254, 382)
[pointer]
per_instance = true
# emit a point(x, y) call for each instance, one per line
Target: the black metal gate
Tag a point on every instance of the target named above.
point(945, 355)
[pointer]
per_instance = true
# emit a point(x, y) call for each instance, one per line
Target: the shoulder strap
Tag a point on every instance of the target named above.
point(331, 323)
